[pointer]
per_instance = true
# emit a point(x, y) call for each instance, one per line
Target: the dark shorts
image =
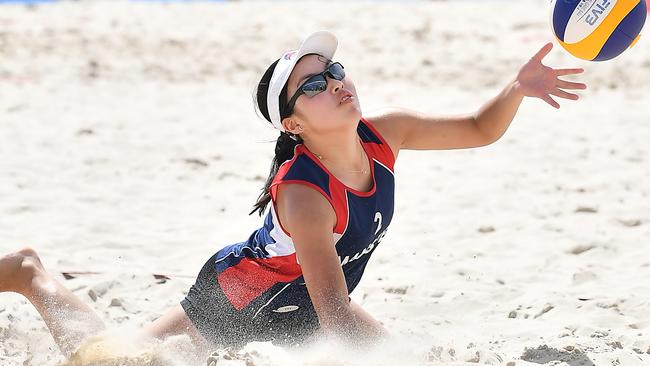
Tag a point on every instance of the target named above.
point(223, 325)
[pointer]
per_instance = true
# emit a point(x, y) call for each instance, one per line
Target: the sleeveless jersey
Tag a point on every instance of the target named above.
point(261, 276)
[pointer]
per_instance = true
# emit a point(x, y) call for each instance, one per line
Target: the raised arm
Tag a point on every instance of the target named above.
point(405, 129)
point(309, 218)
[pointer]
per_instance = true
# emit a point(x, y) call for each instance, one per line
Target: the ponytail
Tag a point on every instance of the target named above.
point(284, 149)
point(286, 142)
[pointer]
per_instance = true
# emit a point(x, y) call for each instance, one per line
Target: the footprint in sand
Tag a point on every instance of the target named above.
point(586, 209)
point(545, 354)
point(630, 222)
point(579, 249)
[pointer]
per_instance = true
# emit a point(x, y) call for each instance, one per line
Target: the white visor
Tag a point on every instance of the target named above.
point(323, 43)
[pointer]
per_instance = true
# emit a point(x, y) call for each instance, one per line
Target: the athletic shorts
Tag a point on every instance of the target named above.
point(223, 325)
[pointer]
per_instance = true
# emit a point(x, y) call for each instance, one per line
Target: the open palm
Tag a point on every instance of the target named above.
point(540, 81)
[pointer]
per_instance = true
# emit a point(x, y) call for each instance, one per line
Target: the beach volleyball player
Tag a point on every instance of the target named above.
point(327, 202)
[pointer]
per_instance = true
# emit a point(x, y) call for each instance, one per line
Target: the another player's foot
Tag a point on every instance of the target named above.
point(17, 270)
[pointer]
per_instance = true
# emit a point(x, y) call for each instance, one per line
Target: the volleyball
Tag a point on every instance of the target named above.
point(597, 30)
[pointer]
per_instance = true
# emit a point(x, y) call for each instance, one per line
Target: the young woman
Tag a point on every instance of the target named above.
point(328, 202)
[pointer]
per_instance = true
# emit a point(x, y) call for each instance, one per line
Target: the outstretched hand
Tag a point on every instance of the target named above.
point(540, 81)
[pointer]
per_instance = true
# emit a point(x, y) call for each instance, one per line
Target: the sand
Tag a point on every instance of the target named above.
point(129, 147)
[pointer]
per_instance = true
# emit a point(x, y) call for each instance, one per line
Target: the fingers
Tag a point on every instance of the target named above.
point(547, 98)
point(570, 85)
point(543, 51)
point(562, 72)
point(565, 95)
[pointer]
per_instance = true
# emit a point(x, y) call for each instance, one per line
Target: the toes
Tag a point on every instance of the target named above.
point(17, 269)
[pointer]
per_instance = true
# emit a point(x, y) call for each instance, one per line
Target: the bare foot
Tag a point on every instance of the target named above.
point(18, 269)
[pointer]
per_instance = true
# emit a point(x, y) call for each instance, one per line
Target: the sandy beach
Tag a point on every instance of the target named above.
point(129, 146)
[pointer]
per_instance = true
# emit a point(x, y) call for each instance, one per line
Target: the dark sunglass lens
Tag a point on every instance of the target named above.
point(314, 87)
point(337, 72)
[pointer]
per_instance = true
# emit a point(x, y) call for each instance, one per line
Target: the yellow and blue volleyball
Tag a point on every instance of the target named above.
point(597, 30)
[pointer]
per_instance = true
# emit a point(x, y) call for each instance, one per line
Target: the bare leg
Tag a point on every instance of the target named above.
point(175, 322)
point(69, 319)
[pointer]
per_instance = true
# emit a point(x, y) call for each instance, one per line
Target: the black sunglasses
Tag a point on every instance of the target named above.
point(316, 84)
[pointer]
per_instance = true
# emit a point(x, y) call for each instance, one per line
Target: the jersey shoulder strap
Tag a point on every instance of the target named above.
point(376, 144)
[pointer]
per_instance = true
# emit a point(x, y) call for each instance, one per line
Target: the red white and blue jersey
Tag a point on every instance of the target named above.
point(262, 277)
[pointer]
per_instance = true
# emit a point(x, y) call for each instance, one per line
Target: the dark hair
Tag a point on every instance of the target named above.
point(285, 144)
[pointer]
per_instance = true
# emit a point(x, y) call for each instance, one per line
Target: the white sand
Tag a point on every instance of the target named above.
point(129, 146)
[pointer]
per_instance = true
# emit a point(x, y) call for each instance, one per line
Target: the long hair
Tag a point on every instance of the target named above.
point(286, 142)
